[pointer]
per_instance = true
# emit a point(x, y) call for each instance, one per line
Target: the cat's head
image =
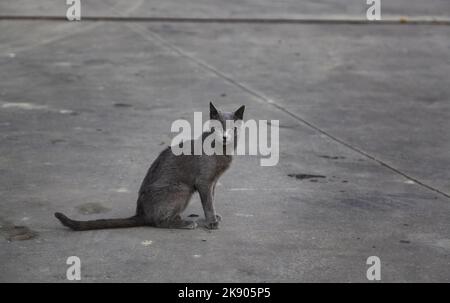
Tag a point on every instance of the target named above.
point(230, 123)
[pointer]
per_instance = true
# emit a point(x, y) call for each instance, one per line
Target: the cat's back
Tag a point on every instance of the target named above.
point(169, 169)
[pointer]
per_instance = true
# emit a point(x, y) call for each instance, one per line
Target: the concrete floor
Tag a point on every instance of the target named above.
point(86, 107)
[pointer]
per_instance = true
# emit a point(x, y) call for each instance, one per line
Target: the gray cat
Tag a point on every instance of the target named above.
point(170, 182)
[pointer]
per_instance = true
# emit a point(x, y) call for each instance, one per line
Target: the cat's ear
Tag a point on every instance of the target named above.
point(213, 112)
point(239, 114)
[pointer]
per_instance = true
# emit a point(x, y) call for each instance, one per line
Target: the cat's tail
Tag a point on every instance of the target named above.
point(99, 224)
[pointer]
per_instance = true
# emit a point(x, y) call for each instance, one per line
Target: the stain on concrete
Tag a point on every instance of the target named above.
point(33, 107)
point(332, 157)
point(68, 112)
point(92, 208)
point(16, 233)
point(56, 141)
point(24, 105)
point(243, 215)
point(122, 105)
point(374, 203)
point(122, 190)
point(147, 242)
point(96, 62)
point(305, 176)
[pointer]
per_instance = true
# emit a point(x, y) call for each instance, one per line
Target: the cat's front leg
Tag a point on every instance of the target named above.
point(206, 196)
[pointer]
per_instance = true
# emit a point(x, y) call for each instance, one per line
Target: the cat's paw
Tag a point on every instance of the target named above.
point(212, 225)
point(191, 225)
